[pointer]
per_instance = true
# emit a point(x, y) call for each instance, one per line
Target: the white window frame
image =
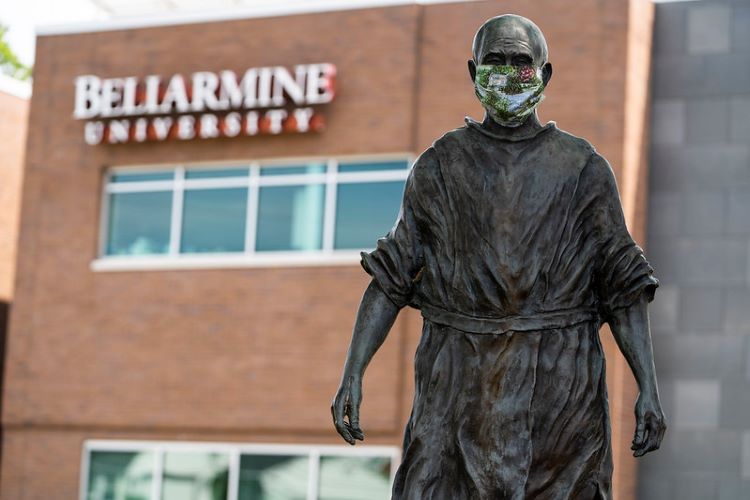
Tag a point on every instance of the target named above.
point(331, 179)
point(234, 450)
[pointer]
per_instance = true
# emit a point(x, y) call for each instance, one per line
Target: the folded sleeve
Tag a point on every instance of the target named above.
point(397, 260)
point(622, 273)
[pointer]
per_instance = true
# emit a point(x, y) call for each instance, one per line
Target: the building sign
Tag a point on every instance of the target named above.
point(268, 100)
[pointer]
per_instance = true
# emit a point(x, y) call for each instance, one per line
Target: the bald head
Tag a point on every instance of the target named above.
point(510, 35)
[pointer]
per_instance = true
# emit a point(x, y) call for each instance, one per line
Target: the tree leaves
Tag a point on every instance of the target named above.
point(9, 63)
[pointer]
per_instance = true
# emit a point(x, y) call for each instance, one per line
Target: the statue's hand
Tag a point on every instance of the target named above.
point(650, 425)
point(346, 403)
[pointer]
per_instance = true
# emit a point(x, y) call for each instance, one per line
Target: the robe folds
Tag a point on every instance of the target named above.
point(515, 251)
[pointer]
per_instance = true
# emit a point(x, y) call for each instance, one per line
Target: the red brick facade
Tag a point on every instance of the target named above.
point(254, 354)
point(14, 115)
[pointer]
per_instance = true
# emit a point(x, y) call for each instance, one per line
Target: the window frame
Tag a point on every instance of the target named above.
point(234, 451)
point(173, 259)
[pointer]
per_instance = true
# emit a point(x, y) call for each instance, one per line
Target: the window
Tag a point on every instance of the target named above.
point(320, 209)
point(129, 470)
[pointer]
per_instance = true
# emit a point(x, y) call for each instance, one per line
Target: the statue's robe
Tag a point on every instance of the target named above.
point(515, 251)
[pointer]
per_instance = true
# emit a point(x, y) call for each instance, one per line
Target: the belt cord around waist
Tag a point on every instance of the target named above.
point(496, 326)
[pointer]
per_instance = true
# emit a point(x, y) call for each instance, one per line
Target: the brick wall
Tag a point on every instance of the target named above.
point(13, 119)
point(699, 228)
point(254, 355)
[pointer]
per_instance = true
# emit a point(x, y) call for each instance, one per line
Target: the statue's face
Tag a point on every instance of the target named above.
point(510, 40)
point(509, 68)
point(512, 49)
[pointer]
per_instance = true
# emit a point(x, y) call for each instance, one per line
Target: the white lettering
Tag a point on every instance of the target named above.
point(209, 126)
point(233, 95)
point(88, 97)
point(129, 96)
point(205, 85)
point(230, 95)
point(140, 134)
point(302, 116)
point(112, 97)
point(275, 118)
point(152, 94)
point(251, 123)
point(232, 124)
point(249, 87)
point(320, 83)
point(119, 131)
point(264, 88)
point(258, 90)
point(283, 82)
point(162, 125)
point(93, 133)
point(176, 96)
point(186, 127)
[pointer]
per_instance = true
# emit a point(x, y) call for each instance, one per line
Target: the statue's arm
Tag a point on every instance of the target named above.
point(630, 328)
point(375, 318)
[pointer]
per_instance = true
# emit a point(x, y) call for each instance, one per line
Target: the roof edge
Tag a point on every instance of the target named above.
point(14, 87)
point(205, 16)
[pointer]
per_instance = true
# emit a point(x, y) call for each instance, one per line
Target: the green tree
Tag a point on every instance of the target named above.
point(9, 63)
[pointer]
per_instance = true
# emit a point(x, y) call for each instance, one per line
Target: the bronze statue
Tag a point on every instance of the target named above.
point(512, 243)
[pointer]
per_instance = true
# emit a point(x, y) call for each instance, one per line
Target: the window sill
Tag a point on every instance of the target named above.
point(225, 261)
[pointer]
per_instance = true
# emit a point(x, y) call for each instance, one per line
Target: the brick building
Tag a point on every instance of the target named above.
point(14, 109)
point(184, 301)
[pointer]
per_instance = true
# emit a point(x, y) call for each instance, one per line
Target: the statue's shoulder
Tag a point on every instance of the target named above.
point(572, 153)
point(457, 137)
point(428, 163)
point(588, 163)
point(570, 143)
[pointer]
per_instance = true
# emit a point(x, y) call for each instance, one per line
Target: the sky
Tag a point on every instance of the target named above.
point(23, 16)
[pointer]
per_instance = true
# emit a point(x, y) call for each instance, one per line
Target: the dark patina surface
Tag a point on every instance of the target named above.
point(512, 243)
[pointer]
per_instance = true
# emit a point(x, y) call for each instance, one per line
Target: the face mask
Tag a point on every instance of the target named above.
point(509, 93)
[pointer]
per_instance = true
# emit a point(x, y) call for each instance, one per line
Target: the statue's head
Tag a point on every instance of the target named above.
point(509, 68)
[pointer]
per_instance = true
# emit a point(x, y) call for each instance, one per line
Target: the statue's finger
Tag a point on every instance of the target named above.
point(662, 430)
point(640, 434)
point(640, 446)
point(654, 435)
point(355, 432)
point(355, 401)
point(337, 412)
point(337, 408)
point(344, 433)
point(649, 446)
point(354, 420)
point(652, 438)
point(343, 429)
point(354, 428)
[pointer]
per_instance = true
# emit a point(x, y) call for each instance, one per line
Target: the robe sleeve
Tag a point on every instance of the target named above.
point(622, 274)
point(397, 260)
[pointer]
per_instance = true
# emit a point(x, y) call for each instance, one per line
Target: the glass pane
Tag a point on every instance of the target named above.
point(213, 173)
point(120, 475)
point(195, 476)
point(213, 220)
point(142, 176)
point(355, 478)
point(290, 217)
point(316, 168)
point(365, 212)
point(139, 223)
point(270, 477)
point(373, 165)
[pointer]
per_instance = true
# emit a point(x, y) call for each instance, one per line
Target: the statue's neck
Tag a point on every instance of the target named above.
point(526, 129)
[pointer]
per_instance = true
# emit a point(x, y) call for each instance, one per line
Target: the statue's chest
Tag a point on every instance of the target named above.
point(510, 189)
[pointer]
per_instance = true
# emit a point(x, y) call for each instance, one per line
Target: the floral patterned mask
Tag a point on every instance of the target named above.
point(509, 93)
